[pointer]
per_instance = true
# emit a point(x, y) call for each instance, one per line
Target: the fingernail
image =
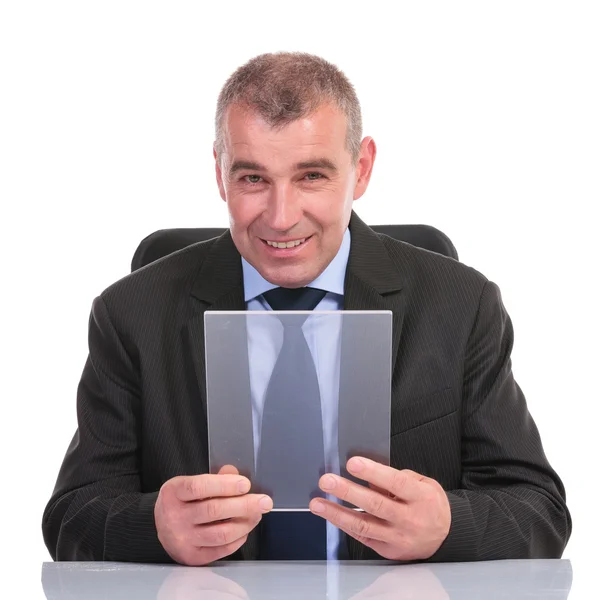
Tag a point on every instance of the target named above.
point(317, 507)
point(327, 482)
point(265, 503)
point(243, 486)
point(356, 465)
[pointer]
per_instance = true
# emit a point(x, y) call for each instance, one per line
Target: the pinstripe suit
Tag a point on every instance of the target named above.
point(457, 414)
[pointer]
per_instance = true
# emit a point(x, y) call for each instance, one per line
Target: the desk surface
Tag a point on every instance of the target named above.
point(533, 579)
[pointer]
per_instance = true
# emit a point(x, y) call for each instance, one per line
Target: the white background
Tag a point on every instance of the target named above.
point(486, 117)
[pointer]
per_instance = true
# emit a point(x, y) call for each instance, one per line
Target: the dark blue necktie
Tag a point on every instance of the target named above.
point(291, 451)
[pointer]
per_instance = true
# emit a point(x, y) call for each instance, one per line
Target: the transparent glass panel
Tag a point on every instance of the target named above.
point(292, 395)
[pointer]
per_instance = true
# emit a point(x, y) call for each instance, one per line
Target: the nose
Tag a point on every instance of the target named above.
point(284, 209)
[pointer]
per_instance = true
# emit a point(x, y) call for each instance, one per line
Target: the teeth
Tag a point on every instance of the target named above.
point(286, 244)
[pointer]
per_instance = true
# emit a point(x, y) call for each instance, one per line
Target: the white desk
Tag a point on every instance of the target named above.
point(509, 580)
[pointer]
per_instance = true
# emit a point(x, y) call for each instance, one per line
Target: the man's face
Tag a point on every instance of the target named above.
point(293, 186)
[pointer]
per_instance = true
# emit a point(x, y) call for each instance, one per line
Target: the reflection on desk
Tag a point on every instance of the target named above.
point(514, 579)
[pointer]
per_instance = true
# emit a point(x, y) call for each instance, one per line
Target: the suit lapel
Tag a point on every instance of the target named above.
point(218, 286)
point(373, 280)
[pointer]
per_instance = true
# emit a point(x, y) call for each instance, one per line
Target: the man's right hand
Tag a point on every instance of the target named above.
point(203, 518)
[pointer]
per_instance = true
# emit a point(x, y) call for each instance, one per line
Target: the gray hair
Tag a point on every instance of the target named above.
point(285, 86)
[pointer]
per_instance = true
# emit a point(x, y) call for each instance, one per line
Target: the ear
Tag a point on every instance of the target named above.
point(219, 175)
point(364, 166)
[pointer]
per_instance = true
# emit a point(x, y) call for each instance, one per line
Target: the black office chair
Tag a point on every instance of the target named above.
point(164, 241)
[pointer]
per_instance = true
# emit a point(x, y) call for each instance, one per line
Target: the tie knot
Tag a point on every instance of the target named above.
point(304, 298)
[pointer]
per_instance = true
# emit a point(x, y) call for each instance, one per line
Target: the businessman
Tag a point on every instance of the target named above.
point(468, 478)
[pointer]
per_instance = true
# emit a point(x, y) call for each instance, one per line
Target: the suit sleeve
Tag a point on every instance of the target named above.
point(511, 503)
point(97, 510)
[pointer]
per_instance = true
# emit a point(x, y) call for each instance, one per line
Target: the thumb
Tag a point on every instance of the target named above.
point(228, 470)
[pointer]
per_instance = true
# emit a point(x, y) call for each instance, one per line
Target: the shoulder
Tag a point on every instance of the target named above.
point(428, 273)
point(159, 285)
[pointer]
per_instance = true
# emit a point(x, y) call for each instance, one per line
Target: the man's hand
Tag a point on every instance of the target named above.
point(203, 518)
point(407, 515)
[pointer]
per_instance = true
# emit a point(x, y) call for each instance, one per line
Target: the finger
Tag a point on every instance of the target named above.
point(358, 523)
point(405, 485)
point(381, 490)
point(228, 470)
point(199, 487)
point(218, 509)
point(223, 533)
point(384, 549)
point(363, 540)
point(208, 554)
point(373, 502)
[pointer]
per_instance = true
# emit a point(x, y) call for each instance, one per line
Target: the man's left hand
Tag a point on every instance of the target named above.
point(406, 515)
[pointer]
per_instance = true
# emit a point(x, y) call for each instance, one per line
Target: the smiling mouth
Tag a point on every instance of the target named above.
point(286, 245)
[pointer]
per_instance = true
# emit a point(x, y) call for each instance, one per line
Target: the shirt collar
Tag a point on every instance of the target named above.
point(330, 280)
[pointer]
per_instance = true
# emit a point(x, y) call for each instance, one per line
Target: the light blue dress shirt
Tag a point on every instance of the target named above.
point(325, 351)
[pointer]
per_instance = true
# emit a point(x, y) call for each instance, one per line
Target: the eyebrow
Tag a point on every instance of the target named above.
point(319, 163)
point(244, 165)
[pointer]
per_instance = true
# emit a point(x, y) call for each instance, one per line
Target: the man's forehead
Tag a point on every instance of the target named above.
point(242, 124)
point(316, 141)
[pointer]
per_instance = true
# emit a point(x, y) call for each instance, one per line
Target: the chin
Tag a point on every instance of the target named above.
point(287, 278)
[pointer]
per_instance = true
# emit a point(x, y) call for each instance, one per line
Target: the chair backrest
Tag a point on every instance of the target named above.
point(164, 241)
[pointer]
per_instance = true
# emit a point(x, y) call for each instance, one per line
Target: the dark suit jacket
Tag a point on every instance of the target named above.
point(457, 414)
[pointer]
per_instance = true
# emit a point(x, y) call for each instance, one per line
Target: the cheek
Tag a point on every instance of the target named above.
point(242, 210)
point(332, 210)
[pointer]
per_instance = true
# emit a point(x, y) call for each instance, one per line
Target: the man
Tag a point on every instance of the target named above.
point(468, 478)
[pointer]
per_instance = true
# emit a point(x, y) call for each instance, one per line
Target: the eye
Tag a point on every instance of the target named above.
point(252, 178)
point(314, 176)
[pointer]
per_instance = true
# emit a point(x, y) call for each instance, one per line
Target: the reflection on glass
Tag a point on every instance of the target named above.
point(405, 582)
point(517, 580)
point(188, 583)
